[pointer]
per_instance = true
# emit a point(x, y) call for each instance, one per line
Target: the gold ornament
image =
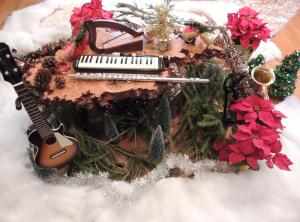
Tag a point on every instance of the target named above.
point(208, 38)
point(263, 76)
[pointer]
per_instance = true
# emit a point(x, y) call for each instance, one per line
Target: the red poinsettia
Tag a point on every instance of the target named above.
point(254, 108)
point(253, 142)
point(258, 138)
point(92, 10)
point(246, 28)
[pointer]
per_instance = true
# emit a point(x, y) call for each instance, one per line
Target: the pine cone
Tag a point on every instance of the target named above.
point(42, 79)
point(60, 82)
point(243, 86)
point(50, 63)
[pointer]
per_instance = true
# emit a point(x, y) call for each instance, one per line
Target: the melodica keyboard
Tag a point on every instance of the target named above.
point(120, 64)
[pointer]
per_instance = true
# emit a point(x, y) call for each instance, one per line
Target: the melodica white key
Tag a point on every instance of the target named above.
point(120, 64)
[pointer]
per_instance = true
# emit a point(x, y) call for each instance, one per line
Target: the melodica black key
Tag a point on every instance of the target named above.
point(120, 64)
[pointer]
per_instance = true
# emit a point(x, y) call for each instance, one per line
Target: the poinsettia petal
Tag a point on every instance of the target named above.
point(276, 147)
point(245, 128)
point(265, 105)
point(250, 116)
point(240, 107)
point(239, 136)
point(266, 117)
point(282, 161)
point(235, 158)
point(250, 101)
point(245, 41)
point(269, 162)
point(247, 11)
point(234, 147)
point(258, 143)
point(252, 162)
point(246, 147)
point(277, 113)
point(76, 11)
point(219, 145)
point(266, 150)
point(96, 4)
point(223, 155)
point(239, 116)
point(92, 10)
point(255, 43)
point(269, 136)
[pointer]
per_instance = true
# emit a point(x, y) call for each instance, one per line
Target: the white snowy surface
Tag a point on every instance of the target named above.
point(266, 195)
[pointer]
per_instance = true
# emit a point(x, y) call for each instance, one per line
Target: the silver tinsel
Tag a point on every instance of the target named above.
point(115, 195)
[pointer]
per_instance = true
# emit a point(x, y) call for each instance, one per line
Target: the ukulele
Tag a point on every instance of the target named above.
point(51, 147)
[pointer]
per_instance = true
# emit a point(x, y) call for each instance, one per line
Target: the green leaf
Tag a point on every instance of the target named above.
point(209, 120)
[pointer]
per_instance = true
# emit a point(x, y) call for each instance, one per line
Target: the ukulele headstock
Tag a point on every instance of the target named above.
point(8, 66)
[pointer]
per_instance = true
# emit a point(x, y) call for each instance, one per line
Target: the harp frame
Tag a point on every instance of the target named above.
point(92, 25)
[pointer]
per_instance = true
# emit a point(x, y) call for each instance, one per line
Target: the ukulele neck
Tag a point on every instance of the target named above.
point(34, 113)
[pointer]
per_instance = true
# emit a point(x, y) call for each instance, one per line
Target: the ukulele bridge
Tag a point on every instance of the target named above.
point(57, 154)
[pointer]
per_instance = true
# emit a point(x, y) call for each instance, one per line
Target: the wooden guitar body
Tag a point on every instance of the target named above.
point(54, 151)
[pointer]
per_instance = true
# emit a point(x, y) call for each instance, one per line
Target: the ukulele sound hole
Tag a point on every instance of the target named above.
point(50, 140)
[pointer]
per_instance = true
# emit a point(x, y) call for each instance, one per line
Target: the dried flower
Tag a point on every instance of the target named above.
point(62, 68)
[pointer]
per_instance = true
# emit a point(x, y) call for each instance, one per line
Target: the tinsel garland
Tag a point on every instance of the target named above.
point(120, 198)
point(286, 76)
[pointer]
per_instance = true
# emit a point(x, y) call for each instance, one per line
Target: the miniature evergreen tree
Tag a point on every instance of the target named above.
point(286, 76)
point(164, 114)
point(157, 144)
point(110, 128)
point(257, 61)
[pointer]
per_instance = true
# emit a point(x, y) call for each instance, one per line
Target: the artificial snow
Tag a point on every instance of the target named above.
point(264, 195)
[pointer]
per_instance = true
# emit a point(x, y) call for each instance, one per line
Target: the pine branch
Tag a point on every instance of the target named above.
point(202, 107)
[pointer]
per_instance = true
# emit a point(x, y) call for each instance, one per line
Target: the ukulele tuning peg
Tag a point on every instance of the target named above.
point(18, 104)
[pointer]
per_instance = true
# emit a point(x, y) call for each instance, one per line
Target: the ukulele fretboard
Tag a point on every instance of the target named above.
point(34, 113)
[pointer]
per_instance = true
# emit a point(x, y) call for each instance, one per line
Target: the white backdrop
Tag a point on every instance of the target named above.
point(266, 195)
